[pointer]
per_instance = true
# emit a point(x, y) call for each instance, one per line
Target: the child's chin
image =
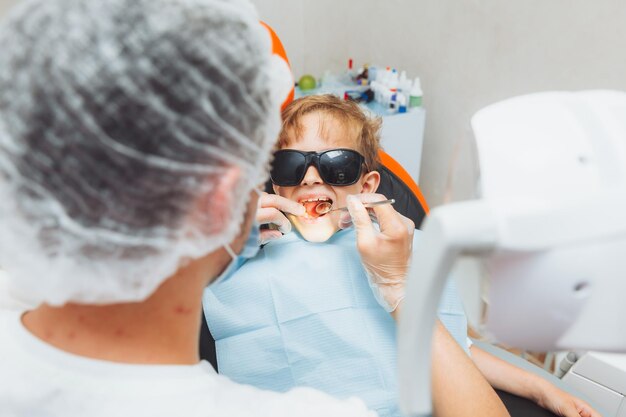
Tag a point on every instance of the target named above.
point(316, 232)
point(321, 234)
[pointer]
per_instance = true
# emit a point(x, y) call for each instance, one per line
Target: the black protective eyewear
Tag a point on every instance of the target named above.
point(335, 166)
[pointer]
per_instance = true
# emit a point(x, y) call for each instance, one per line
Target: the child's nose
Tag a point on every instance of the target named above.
point(311, 177)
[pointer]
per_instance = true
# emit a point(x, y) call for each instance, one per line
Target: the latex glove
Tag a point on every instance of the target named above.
point(270, 211)
point(385, 252)
point(562, 403)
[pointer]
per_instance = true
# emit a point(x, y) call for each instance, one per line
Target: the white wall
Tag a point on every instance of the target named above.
point(5, 4)
point(468, 53)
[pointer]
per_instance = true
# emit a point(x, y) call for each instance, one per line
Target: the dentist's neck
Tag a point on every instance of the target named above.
point(163, 329)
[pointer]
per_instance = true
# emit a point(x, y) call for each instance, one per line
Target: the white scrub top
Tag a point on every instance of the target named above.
point(7, 300)
point(37, 379)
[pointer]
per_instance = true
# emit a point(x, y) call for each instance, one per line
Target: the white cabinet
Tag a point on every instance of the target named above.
point(602, 378)
point(403, 138)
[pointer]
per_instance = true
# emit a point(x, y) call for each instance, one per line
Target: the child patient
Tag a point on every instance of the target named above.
point(312, 308)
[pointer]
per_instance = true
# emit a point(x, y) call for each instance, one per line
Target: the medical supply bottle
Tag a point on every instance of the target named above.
point(401, 101)
point(393, 90)
point(415, 97)
point(404, 84)
point(350, 74)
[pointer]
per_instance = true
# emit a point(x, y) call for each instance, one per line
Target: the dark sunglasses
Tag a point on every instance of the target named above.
point(335, 166)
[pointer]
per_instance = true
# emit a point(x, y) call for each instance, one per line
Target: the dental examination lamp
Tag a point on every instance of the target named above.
point(550, 227)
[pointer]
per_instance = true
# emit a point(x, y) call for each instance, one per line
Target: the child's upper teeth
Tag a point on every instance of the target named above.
point(315, 199)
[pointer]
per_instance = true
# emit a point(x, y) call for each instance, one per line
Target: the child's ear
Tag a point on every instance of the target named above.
point(371, 181)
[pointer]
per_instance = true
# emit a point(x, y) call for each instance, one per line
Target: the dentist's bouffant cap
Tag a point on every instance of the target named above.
point(118, 120)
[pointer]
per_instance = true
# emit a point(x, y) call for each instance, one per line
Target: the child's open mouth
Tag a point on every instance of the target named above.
point(317, 207)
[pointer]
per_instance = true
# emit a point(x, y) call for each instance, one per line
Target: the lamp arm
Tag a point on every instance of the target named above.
point(461, 228)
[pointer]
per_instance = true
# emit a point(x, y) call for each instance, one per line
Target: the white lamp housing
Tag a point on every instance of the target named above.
point(550, 226)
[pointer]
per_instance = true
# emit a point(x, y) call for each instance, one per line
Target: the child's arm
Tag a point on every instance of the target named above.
point(510, 378)
point(459, 389)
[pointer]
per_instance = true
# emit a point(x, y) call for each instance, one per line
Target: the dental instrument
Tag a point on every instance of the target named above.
point(325, 207)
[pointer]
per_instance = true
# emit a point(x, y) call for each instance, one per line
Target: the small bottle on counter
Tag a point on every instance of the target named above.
point(401, 103)
point(415, 96)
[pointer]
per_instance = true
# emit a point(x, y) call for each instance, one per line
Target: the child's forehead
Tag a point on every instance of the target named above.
point(324, 129)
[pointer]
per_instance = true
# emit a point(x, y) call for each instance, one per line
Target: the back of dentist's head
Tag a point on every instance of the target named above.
point(118, 121)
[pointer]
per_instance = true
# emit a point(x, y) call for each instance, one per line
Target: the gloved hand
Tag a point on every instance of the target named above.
point(385, 252)
point(270, 211)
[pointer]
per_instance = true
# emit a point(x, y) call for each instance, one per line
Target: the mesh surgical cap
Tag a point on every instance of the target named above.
point(118, 118)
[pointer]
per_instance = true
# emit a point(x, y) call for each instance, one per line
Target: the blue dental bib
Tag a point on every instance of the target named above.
point(303, 314)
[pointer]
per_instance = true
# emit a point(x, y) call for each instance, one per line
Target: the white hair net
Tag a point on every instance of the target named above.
point(117, 120)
